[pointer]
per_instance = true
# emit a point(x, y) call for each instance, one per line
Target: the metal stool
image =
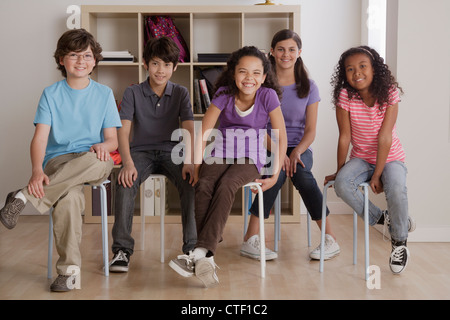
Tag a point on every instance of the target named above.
point(262, 241)
point(277, 218)
point(162, 198)
point(365, 187)
point(104, 218)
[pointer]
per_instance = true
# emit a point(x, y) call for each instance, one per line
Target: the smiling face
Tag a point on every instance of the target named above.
point(286, 53)
point(359, 72)
point(78, 65)
point(159, 72)
point(249, 76)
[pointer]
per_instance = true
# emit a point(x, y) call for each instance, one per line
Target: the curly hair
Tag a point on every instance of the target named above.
point(76, 40)
point(226, 79)
point(383, 80)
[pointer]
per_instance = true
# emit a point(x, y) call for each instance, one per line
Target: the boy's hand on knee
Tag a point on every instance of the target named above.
point(127, 176)
point(36, 184)
point(101, 151)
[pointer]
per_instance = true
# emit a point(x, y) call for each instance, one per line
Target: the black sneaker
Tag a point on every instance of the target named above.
point(120, 262)
point(399, 256)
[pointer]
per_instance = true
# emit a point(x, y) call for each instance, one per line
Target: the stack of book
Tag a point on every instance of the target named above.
point(117, 56)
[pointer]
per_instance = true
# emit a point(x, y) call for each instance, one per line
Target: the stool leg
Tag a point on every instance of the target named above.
point(324, 219)
point(162, 198)
point(277, 217)
point(247, 201)
point(104, 213)
point(366, 230)
point(308, 227)
point(142, 195)
point(50, 245)
point(355, 236)
point(262, 237)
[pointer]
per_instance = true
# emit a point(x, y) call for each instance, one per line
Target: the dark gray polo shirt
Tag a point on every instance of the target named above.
point(155, 118)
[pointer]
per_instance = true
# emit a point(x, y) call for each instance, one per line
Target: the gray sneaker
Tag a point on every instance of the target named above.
point(205, 270)
point(183, 265)
point(9, 214)
point(60, 283)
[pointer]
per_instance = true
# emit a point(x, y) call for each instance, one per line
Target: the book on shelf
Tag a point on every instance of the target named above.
point(117, 56)
point(197, 98)
point(204, 93)
point(213, 57)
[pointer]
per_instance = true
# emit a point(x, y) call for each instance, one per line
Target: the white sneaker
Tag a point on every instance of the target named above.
point(205, 270)
point(251, 248)
point(331, 249)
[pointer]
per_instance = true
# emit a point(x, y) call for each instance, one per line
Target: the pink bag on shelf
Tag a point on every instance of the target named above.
point(159, 26)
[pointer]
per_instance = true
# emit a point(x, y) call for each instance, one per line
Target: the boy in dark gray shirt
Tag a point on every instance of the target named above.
point(150, 112)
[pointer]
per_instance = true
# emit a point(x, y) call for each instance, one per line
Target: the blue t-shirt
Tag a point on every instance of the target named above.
point(76, 117)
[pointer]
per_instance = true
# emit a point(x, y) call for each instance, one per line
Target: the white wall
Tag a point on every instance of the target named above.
point(30, 29)
point(423, 70)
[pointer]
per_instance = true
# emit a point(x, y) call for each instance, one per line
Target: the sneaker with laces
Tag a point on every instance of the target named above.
point(399, 256)
point(331, 249)
point(251, 248)
point(183, 265)
point(205, 270)
point(120, 262)
point(9, 214)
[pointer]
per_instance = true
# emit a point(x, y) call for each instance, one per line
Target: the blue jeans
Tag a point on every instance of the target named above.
point(146, 163)
point(393, 178)
point(304, 181)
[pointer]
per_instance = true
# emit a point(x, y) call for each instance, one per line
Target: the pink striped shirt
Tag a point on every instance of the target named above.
point(365, 124)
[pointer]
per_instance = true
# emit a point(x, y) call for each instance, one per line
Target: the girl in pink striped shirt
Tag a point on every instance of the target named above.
point(366, 97)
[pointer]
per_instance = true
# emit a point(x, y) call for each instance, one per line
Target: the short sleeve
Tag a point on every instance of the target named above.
point(270, 99)
point(127, 105)
point(112, 118)
point(343, 100)
point(394, 96)
point(314, 95)
point(220, 98)
point(43, 113)
point(185, 108)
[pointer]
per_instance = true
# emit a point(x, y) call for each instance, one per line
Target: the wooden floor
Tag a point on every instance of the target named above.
point(292, 276)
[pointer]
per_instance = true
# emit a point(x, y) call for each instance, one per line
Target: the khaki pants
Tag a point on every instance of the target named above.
point(67, 174)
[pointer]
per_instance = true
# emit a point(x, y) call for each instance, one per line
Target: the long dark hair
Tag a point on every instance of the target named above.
point(300, 72)
point(226, 79)
point(383, 80)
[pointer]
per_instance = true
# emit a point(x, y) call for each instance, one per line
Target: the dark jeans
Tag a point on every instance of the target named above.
point(146, 163)
point(303, 181)
point(214, 196)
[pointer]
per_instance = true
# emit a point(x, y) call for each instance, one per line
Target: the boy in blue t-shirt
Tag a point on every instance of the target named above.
point(76, 129)
point(151, 112)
